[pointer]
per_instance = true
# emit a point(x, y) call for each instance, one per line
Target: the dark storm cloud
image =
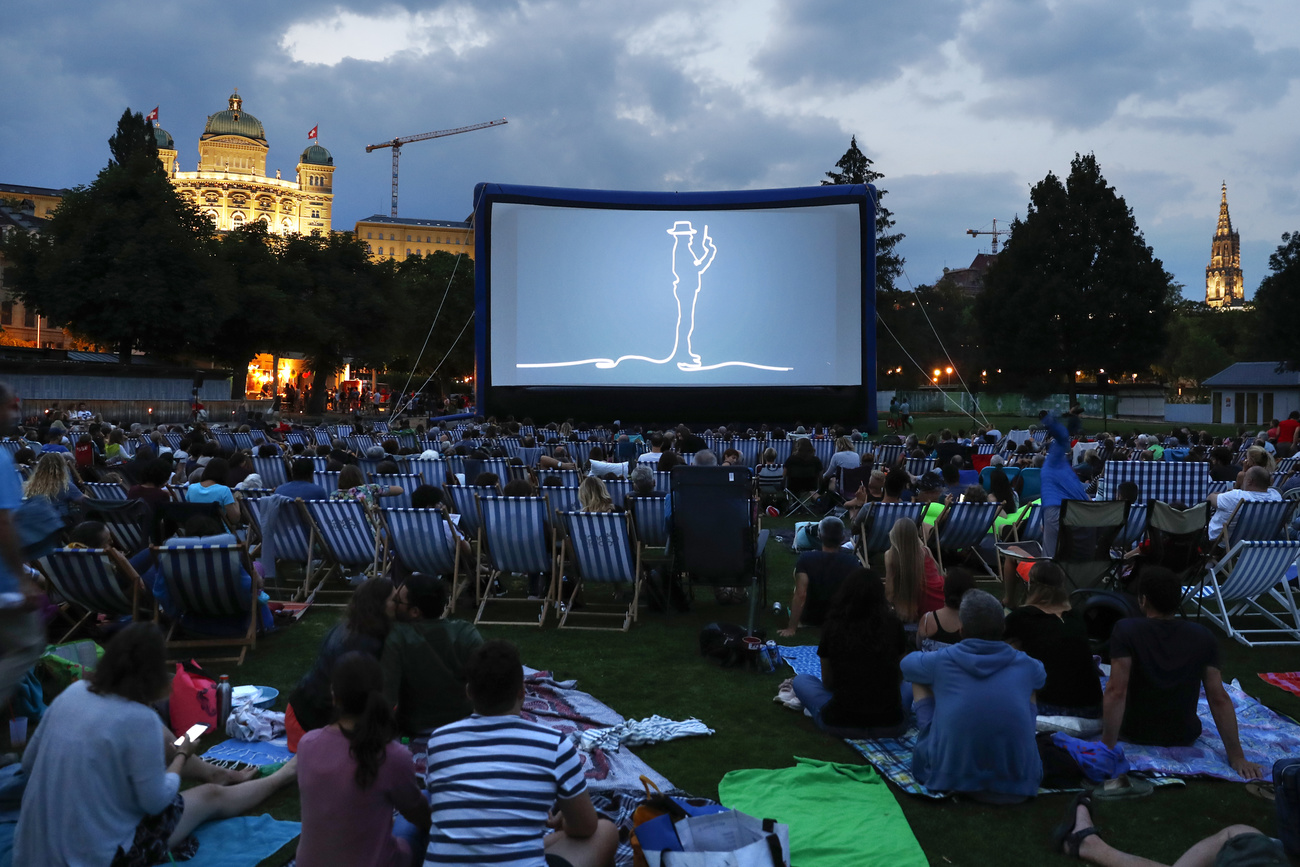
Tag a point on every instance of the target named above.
point(854, 42)
point(1075, 63)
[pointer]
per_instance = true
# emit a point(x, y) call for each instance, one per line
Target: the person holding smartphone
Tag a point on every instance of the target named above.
point(101, 744)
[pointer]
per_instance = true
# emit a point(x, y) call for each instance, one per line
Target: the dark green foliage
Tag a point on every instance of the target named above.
point(855, 168)
point(1076, 286)
point(123, 260)
point(1277, 303)
point(952, 313)
point(423, 284)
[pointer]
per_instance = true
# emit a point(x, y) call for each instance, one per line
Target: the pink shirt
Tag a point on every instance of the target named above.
point(932, 592)
point(343, 824)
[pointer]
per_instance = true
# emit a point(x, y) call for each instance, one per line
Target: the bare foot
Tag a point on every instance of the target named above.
point(231, 777)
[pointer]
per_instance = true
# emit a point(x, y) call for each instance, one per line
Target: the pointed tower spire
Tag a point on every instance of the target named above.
point(1223, 283)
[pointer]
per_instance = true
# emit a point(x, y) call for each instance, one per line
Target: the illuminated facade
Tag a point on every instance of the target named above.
point(231, 185)
point(1223, 285)
point(401, 238)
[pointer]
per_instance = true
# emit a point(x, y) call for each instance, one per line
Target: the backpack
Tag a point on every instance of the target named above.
point(194, 698)
point(725, 642)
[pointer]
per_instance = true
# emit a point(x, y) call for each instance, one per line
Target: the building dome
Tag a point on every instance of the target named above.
point(316, 155)
point(164, 139)
point(234, 121)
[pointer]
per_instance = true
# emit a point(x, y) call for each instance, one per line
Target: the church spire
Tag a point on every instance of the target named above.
point(1223, 283)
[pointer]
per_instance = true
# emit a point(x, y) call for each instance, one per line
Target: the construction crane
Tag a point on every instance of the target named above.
point(396, 145)
point(972, 232)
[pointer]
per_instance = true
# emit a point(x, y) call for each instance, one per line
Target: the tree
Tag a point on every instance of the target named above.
point(1075, 288)
point(422, 284)
point(1277, 303)
point(855, 168)
point(121, 260)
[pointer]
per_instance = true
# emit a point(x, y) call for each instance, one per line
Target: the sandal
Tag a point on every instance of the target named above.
point(1123, 787)
point(1064, 837)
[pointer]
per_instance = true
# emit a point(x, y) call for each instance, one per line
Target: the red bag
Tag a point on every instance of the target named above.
point(85, 455)
point(194, 698)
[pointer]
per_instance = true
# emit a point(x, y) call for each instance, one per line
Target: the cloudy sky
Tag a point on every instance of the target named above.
point(962, 104)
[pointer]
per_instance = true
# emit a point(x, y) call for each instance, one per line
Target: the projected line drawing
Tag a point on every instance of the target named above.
point(700, 263)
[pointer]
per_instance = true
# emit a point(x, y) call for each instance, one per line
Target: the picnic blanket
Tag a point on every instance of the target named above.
point(1288, 680)
point(839, 815)
point(241, 841)
point(893, 756)
point(562, 706)
point(235, 754)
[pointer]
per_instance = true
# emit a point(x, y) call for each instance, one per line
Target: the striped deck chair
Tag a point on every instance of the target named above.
point(1133, 529)
point(749, 451)
point(1218, 487)
point(319, 464)
point(296, 438)
point(986, 448)
point(464, 502)
point(107, 491)
point(327, 479)
point(13, 446)
point(271, 470)
point(208, 581)
point(88, 579)
point(500, 466)
point(1251, 580)
point(290, 542)
point(824, 449)
point(424, 541)
point(341, 431)
point(456, 466)
point(518, 472)
point(874, 522)
point(432, 470)
point(664, 482)
point(1257, 522)
point(920, 466)
point(408, 482)
point(344, 531)
point(173, 440)
point(128, 523)
point(243, 441)
point(603, 553)
point(224, 439)
point(580, 451)
point(649, 521)
point(619, 489)
point(259, 437)
point(568, 478)
point(514, 537)
point(322, 437)
point(887, 456)
point(368, 466)
point(380, 426)
point(406, 441)
point(782, 448)
point(559, 501)
point(964, 525)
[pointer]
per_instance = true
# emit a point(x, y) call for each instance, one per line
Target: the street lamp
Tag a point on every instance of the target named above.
point(948, 370)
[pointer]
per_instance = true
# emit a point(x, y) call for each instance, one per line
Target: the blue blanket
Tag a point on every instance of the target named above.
point(233, 752)
point(242, 841)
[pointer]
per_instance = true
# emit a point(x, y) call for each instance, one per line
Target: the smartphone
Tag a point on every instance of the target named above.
point(192, 734)
point(962, 498)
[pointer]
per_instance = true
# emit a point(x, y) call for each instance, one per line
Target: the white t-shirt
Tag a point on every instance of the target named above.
point(650, 458)
point(1229, 500)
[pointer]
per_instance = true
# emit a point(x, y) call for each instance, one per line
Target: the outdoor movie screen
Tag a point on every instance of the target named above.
point(661, 290)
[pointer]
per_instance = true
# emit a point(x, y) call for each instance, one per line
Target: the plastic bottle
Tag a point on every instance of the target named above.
point(223, 702)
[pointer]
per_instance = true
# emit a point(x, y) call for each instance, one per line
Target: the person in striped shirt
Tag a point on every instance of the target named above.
point(497, 782)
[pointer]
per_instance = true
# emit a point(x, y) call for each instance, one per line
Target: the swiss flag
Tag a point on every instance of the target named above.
point(153, 115)
point(310, 135)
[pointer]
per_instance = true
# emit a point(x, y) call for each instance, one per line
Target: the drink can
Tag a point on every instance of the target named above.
point(771, 657)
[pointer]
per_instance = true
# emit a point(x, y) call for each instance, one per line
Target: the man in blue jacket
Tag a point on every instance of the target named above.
point(975, 707)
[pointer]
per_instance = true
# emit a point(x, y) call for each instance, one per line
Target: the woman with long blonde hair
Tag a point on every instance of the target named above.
point(913, 582)
point(594, 496)
point(53, 479)
point(1256, 456)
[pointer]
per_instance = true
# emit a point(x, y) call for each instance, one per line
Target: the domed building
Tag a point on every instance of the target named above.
point(231, 185)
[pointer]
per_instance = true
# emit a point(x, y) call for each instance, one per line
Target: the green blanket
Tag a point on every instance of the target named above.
point(838, 814)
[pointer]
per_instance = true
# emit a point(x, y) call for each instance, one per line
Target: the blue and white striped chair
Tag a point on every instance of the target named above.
point(887, 456)
point(209, 581)
point(344, 531)
point(603, 553)
point(327, 479)
point(224, 439)
point(464, 502)
point(424, 541)
point(322, 437)
point(964, 525)
point(1217, 487)
point(664, 482)
point(408, 482)
point(619, 489)
point(109, 491)
point(1133, 529)
point(242, 441)
point(89, 579)
point(559, 501)
point(271, 470)
point(877, 519)
point(432, 470)
point(514, 537)
point(288, 541)
point(920, 466)
point(649, 520)
point(1243, 583)
point(129, 523)
point(1257, 522)
point(568, 478)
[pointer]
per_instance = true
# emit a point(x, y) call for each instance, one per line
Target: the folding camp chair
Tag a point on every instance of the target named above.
point(963, 526)
point(1257, 522)
point(89, 579)
point(769, 483)
point(271, 470)
point(408, 482)
point(603, 552)
point(1031, 479)
point(424, 541)
point(514, 538)
point(1177, 541)
point(801, 489)
point(1085, 536)
point(209, 581)
point(715, 540)
point(986, 477)
point(1243, 582)
point(128, 523)
point(874, 522)
point(853, 478)
point(105, 491)
point(347, 537)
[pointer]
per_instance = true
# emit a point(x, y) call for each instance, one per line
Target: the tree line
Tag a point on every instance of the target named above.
point(127, 264)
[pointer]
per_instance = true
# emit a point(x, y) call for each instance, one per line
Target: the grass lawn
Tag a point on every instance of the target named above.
point(656, 668)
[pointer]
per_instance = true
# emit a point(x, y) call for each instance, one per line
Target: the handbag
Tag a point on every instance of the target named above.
point(39, 525)
point(194, 698)
point(655, 805)
point(722, 839)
